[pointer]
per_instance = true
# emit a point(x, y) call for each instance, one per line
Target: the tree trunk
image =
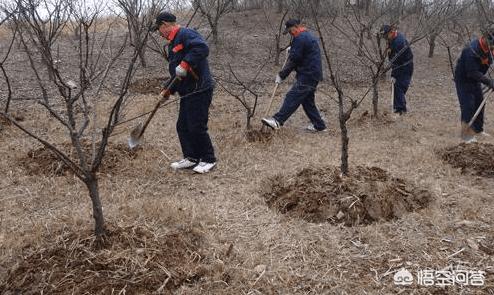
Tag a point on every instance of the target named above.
point(249, 117)
point(344, 140)
point(9, 89)
point(361, 43)
point(375, 96)
point(432, 45)
point(142, 57)
point(99, 221)
point(214, 32)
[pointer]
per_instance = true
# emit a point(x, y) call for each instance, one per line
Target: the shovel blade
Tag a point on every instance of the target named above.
point(467, 133)
point(135, 136)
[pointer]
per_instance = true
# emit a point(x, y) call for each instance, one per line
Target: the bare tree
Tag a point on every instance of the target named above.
point(346, 105)
point(247, 93)
point(138, 15)
point(72, 104)
point(44, 30)
point(4, 17)
point(449, 10)
point(214, 10)
point(277, 33)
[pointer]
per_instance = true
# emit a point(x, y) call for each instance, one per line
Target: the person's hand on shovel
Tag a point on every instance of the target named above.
point(164, 95)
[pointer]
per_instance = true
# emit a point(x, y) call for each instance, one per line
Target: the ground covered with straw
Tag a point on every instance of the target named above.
point(274, 216)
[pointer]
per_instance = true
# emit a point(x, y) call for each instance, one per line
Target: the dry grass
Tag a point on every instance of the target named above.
point(133, 259)
point(252, 249)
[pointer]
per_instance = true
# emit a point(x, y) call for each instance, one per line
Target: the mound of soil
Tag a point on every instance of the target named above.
point(365, 196)
point(132, 260)
point(367, 118)
point(42, 161)
point(147, 85)
point(472, 158)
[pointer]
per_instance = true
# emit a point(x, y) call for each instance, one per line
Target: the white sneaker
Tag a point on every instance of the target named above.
point(470, 140)
point(183, 164)
point(311, 128)
point(204, 167)
point(271, 122)
point(484, 134)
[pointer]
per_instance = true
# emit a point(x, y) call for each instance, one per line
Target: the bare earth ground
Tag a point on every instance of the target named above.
point(247, 247)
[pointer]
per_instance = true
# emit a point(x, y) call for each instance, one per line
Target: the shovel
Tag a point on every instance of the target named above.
point(392, 95)
point(275, 89)
point(467, 132)
point(136, 133)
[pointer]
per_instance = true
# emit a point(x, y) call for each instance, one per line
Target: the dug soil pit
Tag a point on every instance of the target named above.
point(131, 260)
point(471, 158)
point(253, 135)
point(42, 161)
point(147, 85)
point(365, 196)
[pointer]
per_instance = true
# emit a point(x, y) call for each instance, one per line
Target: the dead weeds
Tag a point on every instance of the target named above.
point(367, 195)
point(133, 260)
point(473, 158)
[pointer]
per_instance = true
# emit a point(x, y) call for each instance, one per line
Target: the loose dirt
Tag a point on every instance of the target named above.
point(42, 161)
point(254, 135)
point(147, 85)
point(367, 195)
point(473, 158)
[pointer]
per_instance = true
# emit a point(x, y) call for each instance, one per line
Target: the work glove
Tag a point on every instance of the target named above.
point(180, 71)
point(164, 95)
point(278, 79)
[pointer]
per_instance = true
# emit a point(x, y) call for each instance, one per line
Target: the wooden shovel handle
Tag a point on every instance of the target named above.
point(478, 111)
point(156, 107)
point(271, 99)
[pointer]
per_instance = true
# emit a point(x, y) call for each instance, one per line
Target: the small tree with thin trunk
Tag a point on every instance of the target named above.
point(214, 10)
point(277, 32)
point(73, 104)
point(138, 14)
point(244, 90)
point(4, 17)
point(346, 105)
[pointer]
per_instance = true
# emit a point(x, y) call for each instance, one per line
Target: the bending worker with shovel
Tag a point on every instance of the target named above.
point(401, 58)
point(305, 59)
point(470, 72)
point(188, 62)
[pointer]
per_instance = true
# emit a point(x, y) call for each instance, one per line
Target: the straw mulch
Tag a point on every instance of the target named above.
point(131, 260)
